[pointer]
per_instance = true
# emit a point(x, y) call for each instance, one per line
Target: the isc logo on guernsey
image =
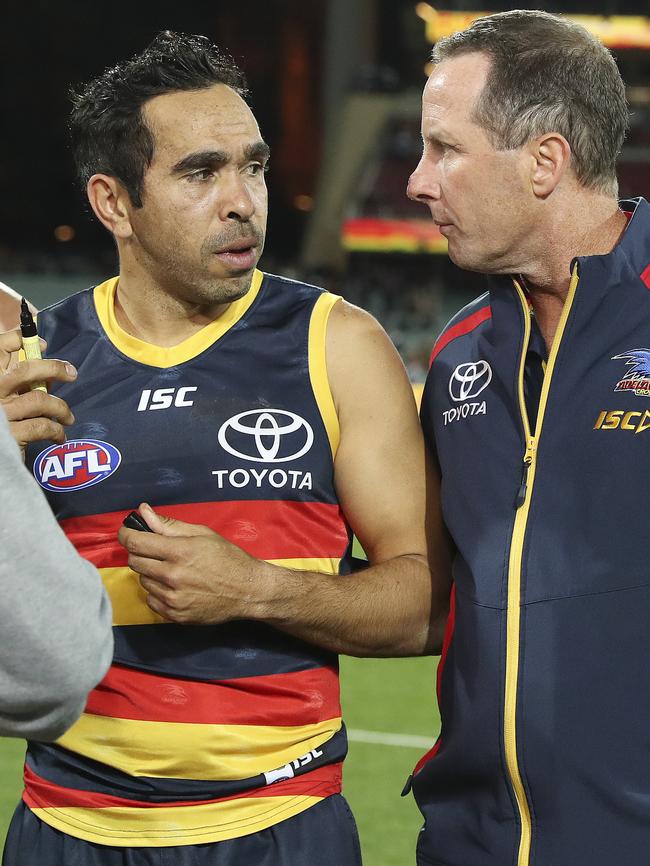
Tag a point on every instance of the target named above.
point(76, 464)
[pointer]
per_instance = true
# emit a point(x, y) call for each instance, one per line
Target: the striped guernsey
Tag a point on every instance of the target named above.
point(198, 733)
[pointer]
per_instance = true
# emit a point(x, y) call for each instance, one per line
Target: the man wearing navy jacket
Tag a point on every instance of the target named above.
point(537, 407)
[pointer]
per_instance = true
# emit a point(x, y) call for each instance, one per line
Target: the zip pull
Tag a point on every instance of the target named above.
point(528, 459)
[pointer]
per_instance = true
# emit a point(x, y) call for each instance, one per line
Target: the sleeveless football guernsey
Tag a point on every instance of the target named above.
point(197, 733)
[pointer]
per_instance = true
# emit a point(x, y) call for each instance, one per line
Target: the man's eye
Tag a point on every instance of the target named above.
point(256, 168)
point(441, 146)
point(200, 175)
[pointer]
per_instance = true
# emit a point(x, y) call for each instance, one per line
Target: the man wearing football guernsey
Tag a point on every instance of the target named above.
point(264, 421)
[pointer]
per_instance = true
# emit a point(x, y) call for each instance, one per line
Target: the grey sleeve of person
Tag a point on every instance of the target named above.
point(56, 639)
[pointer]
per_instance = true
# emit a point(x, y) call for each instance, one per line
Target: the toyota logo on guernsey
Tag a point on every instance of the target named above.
point(466, 383)
point(76, 464)
point(265, 436)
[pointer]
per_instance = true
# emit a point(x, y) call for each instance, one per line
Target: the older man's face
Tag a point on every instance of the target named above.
point(479, 196)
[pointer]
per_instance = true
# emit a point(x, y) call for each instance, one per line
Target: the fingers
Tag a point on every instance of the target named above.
point(169, 526)
point(37, 416)
point(10, 342)
point(20, 378)
point(37, 430)
point(10, 346)
point(159, 607)
point(156, 571)
point(168, 602)
point(144, 547)
point(37, 404)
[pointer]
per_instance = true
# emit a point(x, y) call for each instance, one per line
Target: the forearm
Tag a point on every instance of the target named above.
point(394, 608)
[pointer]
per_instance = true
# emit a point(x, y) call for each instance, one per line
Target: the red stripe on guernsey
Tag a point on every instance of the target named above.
point(449, 633)
point(300, 698)
point(264, 529)
point(645, 277)
point(41, 794)
point(459, 329)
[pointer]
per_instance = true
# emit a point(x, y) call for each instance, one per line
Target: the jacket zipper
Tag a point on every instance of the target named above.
point(522, 504)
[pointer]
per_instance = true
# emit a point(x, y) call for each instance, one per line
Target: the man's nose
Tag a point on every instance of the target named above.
point(236, 201)
point(423, 185)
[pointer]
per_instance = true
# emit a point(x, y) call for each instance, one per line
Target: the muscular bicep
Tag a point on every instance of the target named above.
point(380, 463)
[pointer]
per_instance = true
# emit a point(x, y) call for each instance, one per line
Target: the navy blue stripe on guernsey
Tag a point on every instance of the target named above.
point(64, 768)
point(219, 652)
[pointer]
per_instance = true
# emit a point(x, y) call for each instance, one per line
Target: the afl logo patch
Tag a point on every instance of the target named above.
point(266, 436)
point(76, 464)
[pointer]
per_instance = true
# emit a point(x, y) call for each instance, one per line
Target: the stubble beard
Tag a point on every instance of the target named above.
point(197, 285)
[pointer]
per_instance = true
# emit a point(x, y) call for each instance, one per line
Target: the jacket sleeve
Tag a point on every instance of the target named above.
point(55, 618)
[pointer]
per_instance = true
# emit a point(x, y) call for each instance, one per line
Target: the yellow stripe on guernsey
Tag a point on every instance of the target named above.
point(129, 600)
point(157, 356)
point(318, 367)
point(513, 627)
point(165, 826)
point(182, 750)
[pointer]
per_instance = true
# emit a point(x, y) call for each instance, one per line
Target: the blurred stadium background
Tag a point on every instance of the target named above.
point(336, 87)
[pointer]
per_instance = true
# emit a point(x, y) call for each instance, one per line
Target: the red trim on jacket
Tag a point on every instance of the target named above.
point(459, 329)
point(449, 633)
point(645, 277)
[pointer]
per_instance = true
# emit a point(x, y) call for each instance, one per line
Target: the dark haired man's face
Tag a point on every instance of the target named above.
point(200, 230)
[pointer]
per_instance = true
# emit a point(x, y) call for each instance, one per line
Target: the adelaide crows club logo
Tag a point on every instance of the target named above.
point(637, 378)
point(76, 464)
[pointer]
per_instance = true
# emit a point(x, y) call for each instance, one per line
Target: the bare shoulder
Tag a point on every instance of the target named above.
point(355, 337)
point(348, 321)
point(362, 362)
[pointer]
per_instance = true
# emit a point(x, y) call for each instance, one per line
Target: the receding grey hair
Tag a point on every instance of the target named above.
point(548, 74)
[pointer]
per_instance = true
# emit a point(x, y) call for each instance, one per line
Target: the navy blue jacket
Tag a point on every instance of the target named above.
point(544, 752)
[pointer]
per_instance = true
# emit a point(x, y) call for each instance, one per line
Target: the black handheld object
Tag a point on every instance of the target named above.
point(135, 521)
point(27, 323)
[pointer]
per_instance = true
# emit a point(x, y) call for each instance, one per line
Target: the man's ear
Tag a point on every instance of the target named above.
point(550, 159)
point(111, 204)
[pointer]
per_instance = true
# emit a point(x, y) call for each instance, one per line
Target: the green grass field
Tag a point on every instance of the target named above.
point(391, 696)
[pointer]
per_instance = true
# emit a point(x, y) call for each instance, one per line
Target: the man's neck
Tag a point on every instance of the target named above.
point(548, 278)
point(147, 311)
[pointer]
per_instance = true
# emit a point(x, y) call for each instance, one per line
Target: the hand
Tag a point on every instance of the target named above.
point(32, 415)
point(191, 574)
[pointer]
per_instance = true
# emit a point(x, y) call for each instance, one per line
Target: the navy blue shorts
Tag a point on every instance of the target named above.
point(324, 835)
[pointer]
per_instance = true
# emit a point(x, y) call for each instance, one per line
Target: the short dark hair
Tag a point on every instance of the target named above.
point(548, 74)
point(107, 126)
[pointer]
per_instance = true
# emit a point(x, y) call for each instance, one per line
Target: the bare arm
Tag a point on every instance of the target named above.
point(398, 605)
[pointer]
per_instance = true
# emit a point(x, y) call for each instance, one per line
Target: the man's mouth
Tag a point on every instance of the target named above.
point(240, 254)
point(444, 227)
point(238, 246)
